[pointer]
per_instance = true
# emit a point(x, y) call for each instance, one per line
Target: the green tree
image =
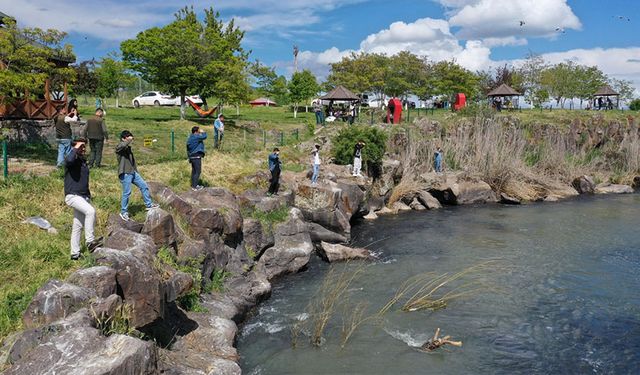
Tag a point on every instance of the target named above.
point(302, 87)
point(404, 74)
point(560, 81)
point(86, 79)
point(190, 56)
point(372, 154)
point(280, 90)
point(265, 79)
point(531, 72)
point(623, 87)
point(112, 76)
point(450, 78)
point(27, 60)
point(588, 79)
point(360, 72)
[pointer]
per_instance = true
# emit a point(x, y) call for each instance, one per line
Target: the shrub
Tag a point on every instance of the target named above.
point(372, 153)
point(635, 105)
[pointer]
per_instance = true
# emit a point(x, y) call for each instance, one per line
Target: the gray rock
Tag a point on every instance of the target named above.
point(160, 226)
point(55, 300)
point(399, 206)
point(256, 238)
point(178, 285)
point(104, 308)
point(416, 205)
point(613, 189)
point(319, 233)
point(473, 192)
point(138, 280)
point(391, 174)
point(336, 252)
point(190, 249)
point(371, 216)
point(101, 279)
point(226, 204)
point(292, 250)
point(114, 222)
point(428, 200)
point(636, 182)
point(584, 185)
point(507, 199)
point(123, 239)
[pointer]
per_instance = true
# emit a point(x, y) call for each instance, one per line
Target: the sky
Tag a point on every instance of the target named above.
point(478, 34)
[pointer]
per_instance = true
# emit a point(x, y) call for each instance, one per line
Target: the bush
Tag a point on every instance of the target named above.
point(372, 153)
point(635, 105)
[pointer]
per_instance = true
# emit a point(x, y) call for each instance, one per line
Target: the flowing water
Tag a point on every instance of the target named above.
point(563, 298)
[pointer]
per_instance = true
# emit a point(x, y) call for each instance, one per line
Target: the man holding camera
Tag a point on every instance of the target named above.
point(128, 174)
point(195, 153)
point(78, 196)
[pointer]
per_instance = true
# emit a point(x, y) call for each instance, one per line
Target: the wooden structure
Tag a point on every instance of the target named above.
point(605, 92)
point(504, 96)
point(41, 108)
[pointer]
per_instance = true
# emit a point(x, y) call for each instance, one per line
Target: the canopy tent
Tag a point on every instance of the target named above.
point(605, 92)
point(340, 93)
point(263, 102)
point(504, 95)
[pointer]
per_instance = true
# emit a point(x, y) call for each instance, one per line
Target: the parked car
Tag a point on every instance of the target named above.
point(155, 98)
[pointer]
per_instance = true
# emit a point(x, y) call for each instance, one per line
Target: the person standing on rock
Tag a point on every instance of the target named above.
point(437, 160)
point(357, 158)
point(218, 131)
point(63, 136)
point(274, 168)
point(317, 108)
point(128, 174)
point(78, 196)
point(97, 134)
point(316, 164)
point(195, 153)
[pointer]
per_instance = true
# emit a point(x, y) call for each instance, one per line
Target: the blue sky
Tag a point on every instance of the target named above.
point(479, 34)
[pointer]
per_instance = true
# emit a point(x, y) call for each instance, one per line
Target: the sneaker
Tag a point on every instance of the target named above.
point(91, 246)
point(197, 188)
point(124, 216)
point(153, 205)
point(75, 256)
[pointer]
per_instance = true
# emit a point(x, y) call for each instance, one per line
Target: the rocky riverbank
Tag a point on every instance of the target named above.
point(71, 325)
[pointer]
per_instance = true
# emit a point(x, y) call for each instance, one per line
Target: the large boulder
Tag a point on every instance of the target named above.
point(472, 192)
point(352, 198)
point(613, 189)
point(226, 205)
point(323, 204)
point(292, 250)
point(391, 174)
point(257, 200)
point(124, 239)
point(508, 199)
point(336, 252)
point(399, 206)
point(248, 290)
point(55, 300)
point(114, 221)
point(160, 226)
point(584, 185)
point(72, 346)
point(428, 200)
point(256, 238)
point(138, 282)
point(101, 279)
point(416, 205)
point(319, 233)
point(220, 256)
point(178, 284)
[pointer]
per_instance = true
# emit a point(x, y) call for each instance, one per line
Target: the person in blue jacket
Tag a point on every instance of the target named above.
point(218, 131)
point(437, 160)
point(274, 168)
point(195, 153)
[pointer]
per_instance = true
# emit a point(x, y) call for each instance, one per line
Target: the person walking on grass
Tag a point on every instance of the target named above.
point(316, 164)
point(218, 131)
point(274, 168)
point(437, 160)
point(97, 134)
point(63, 136)
point(78, 197)
point(195, 153)
point(357, 158)
point(128, 174)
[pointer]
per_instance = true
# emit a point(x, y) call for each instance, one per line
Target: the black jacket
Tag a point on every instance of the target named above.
point(76, 176)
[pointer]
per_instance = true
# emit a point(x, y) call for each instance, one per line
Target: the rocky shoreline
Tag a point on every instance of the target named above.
point(214, 229)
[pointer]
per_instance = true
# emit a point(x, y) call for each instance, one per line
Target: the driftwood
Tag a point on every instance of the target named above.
point(437, 342)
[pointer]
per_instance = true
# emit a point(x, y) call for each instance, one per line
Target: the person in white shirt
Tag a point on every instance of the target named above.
point(316, 165)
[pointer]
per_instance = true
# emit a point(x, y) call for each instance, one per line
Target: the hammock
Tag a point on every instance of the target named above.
point(201, 112)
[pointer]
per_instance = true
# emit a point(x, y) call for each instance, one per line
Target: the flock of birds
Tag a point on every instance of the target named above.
point(561, 30)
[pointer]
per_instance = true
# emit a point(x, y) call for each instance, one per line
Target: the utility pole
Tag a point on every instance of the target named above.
point(295, 58)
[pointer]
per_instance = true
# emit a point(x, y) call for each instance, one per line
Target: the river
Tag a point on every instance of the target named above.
point(562, 295)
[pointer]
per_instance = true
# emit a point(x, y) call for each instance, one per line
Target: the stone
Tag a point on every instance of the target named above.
point(219, 256)
point(160, 226)
point(352, 201)
point(256, 238)
point(474, 192)
point(636, 182)
point(258, 200)
point(104, 308)
point(399, 206)
point(214, 337)
point(416, 205)
point(71, 348)
point(178, 285)
point(323, 204)
point(226, 204)
point(114, 221)
point(584, 185)
point(123, 239)
point(613, 189)
point(371, 216)
point(428, 200)
point(292, 249)
point(391, 174)
point(384, 211)
point(138, 282)
point(55, 300)
point(319, 233)
point(336, 252)
point(375, 202)
point(190, 249)
point(508, 199)
point(248, 290)
point(101, 279)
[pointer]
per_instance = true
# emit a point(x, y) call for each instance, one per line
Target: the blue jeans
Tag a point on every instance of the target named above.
point(126, 179)
point(316, 173)
point(437, 165)
point(319, 118)
point(64, 147)
point(217, 137)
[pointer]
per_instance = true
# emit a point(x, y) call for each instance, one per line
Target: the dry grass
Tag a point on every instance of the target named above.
point(403, 189)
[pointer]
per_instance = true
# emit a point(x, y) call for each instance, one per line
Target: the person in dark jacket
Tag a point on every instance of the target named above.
point(274, 168)
point(63, 136)
point(357, 158)
point(128, 174)
point(195, 153)
point(78, 196)
point(97, 134)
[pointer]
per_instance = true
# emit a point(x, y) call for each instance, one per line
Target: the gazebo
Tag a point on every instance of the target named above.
point(339, 93)
point(501, 94)
point(605, 92)
point(263, 102)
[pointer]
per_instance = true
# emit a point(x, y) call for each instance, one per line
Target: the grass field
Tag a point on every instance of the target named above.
point(29, 256)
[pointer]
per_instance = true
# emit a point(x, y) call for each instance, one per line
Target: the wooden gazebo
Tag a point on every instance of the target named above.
point(605, 92)
point(41, 108)
point(503, 92)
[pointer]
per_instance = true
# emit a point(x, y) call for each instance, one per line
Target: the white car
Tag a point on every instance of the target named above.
point(155, 98)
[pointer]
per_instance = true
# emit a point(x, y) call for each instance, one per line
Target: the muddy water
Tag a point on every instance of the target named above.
point(564, 299)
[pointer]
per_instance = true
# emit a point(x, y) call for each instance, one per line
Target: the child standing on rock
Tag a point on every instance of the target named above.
point(316, 164)
point(437, 160)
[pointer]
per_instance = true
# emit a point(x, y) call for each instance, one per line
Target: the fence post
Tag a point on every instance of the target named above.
point(244, 138)
point(173, 142)
point(5, 160)
point(408, 114)
point(264, 138)
point(281, 138)
point(295, 132)
point(371, 117)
